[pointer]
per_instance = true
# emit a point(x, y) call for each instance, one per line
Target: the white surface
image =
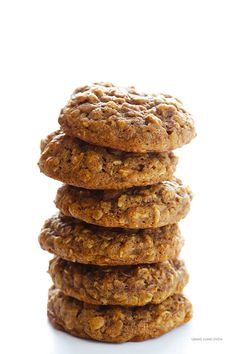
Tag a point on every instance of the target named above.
point(185, 48)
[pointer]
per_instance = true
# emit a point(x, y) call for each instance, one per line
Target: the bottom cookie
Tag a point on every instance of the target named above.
point(115, 323)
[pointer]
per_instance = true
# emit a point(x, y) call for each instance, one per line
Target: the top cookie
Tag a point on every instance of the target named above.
point(125, 119)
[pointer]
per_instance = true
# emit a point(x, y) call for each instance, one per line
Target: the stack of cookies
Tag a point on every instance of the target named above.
point(116, 241)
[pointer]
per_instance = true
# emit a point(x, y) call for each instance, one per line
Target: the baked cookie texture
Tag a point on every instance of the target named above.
point(116, 323)
point(76, 241)
point(126, 119)
point(115, 240)
point(139, 207)
point(125, 286)
point(80, 164)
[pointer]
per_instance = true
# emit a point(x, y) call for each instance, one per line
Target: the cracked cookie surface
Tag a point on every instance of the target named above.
point(124, 285)
point(76, 241)
point(125, 119)
point(75, 162)
point(139, 207)
point(116, 323)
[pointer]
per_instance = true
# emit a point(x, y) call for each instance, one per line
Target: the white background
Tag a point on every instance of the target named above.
point(185, 48)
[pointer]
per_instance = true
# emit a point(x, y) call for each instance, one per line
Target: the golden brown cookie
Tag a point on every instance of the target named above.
point(80, 164)
point(76, 241)
point(138, 207)
point(116, 323)
point(123, 285)
point(125, 119)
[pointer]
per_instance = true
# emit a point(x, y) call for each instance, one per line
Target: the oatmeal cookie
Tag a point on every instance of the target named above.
point(138, 207)
point(116, 323)
point(125, 119)
point(72, 161)
point(123, 285)
point(76, 241)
